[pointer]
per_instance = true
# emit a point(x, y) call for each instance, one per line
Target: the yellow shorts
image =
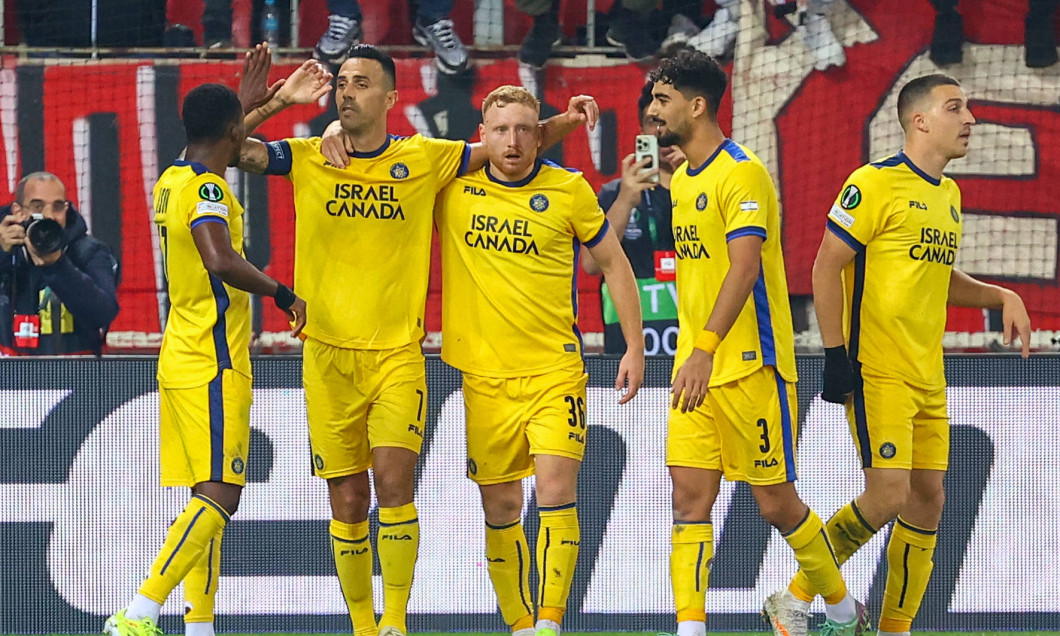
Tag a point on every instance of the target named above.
point(361, 399)
point(746, 428)
point(896, 425)
point(204, 431)
point(509, 420)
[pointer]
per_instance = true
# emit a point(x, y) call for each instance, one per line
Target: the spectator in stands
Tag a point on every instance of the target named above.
point(433, 28)
point(58, 285)
point(809, 17)
point(638, 209)
point(544, 34)
point(627, 29)
point(1040, 36)
point(103, 23)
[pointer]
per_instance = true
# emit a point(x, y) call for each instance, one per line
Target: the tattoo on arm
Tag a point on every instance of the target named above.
point(254, 157)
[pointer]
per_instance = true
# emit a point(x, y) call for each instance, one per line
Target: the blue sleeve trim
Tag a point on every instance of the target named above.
point(208, 219)
point(599, 235)
point(280, 158)
point(464, 160)
point(750, 230)
point(845, 236)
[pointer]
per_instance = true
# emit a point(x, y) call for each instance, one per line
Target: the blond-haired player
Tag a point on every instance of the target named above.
point(510, 235)
point(362, 254)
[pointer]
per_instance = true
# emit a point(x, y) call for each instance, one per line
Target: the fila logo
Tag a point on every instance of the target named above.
point(397, 537)
point(918, 205)
point(569, 542)
point(354, 551)
point(766, 463)
point(415, 429)
point(472, 190)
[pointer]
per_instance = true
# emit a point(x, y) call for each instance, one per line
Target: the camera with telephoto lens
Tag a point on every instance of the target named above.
point(45, 235)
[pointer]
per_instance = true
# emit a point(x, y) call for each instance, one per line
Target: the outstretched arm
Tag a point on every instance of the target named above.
point(215, 248)
point(581, 109)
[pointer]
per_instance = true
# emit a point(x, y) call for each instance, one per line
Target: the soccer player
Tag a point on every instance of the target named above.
point(510, 236)
point(881, 282)
point(734, 403)
point(204, 366)
point(362, 254)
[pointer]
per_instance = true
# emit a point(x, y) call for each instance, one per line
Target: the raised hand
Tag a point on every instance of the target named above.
point(308, 83)
point(583, 109)
point(254, 90)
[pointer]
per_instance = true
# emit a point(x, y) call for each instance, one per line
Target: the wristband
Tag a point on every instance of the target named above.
point(836, 355)
point(284, 297)
point(708, 341)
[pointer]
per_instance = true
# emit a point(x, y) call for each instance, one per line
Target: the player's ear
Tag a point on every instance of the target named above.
point(700, 107)
point(391, 98)
point(235, 132)
point(920, 123)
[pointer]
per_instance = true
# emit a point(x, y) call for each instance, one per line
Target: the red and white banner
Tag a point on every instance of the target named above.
point(108, 129)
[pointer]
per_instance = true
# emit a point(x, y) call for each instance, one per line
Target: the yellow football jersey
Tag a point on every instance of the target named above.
point(363, 236)
point(208, 328)
point(905, 226)
point(729, 196)
point(509, 268)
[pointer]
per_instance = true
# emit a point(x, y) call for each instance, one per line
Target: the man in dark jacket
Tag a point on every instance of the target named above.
point(639, 211)
point(53, 299)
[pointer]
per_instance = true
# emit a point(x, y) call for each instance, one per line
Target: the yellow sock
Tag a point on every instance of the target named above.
point(398, 544)
point(692, 548)
point(353, 564)
point(508, 561)
point(909, 564)
point(200, 585)
point(188, 538)
point(847, 531)
point(816, 558)
point(557, 554)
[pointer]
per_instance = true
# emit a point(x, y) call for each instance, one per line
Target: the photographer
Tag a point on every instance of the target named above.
point(638, 209)
point(58, 286)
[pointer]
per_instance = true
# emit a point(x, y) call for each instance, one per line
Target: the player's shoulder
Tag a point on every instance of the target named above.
point(742, 164)
point(300, 144)
point(883, 168)
point(950, 184)
point(738, 153)
point(181, 172)
point(559, 172)
point(193, 179)
point(879, 173)
point(565, 178)
point(425, 144)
